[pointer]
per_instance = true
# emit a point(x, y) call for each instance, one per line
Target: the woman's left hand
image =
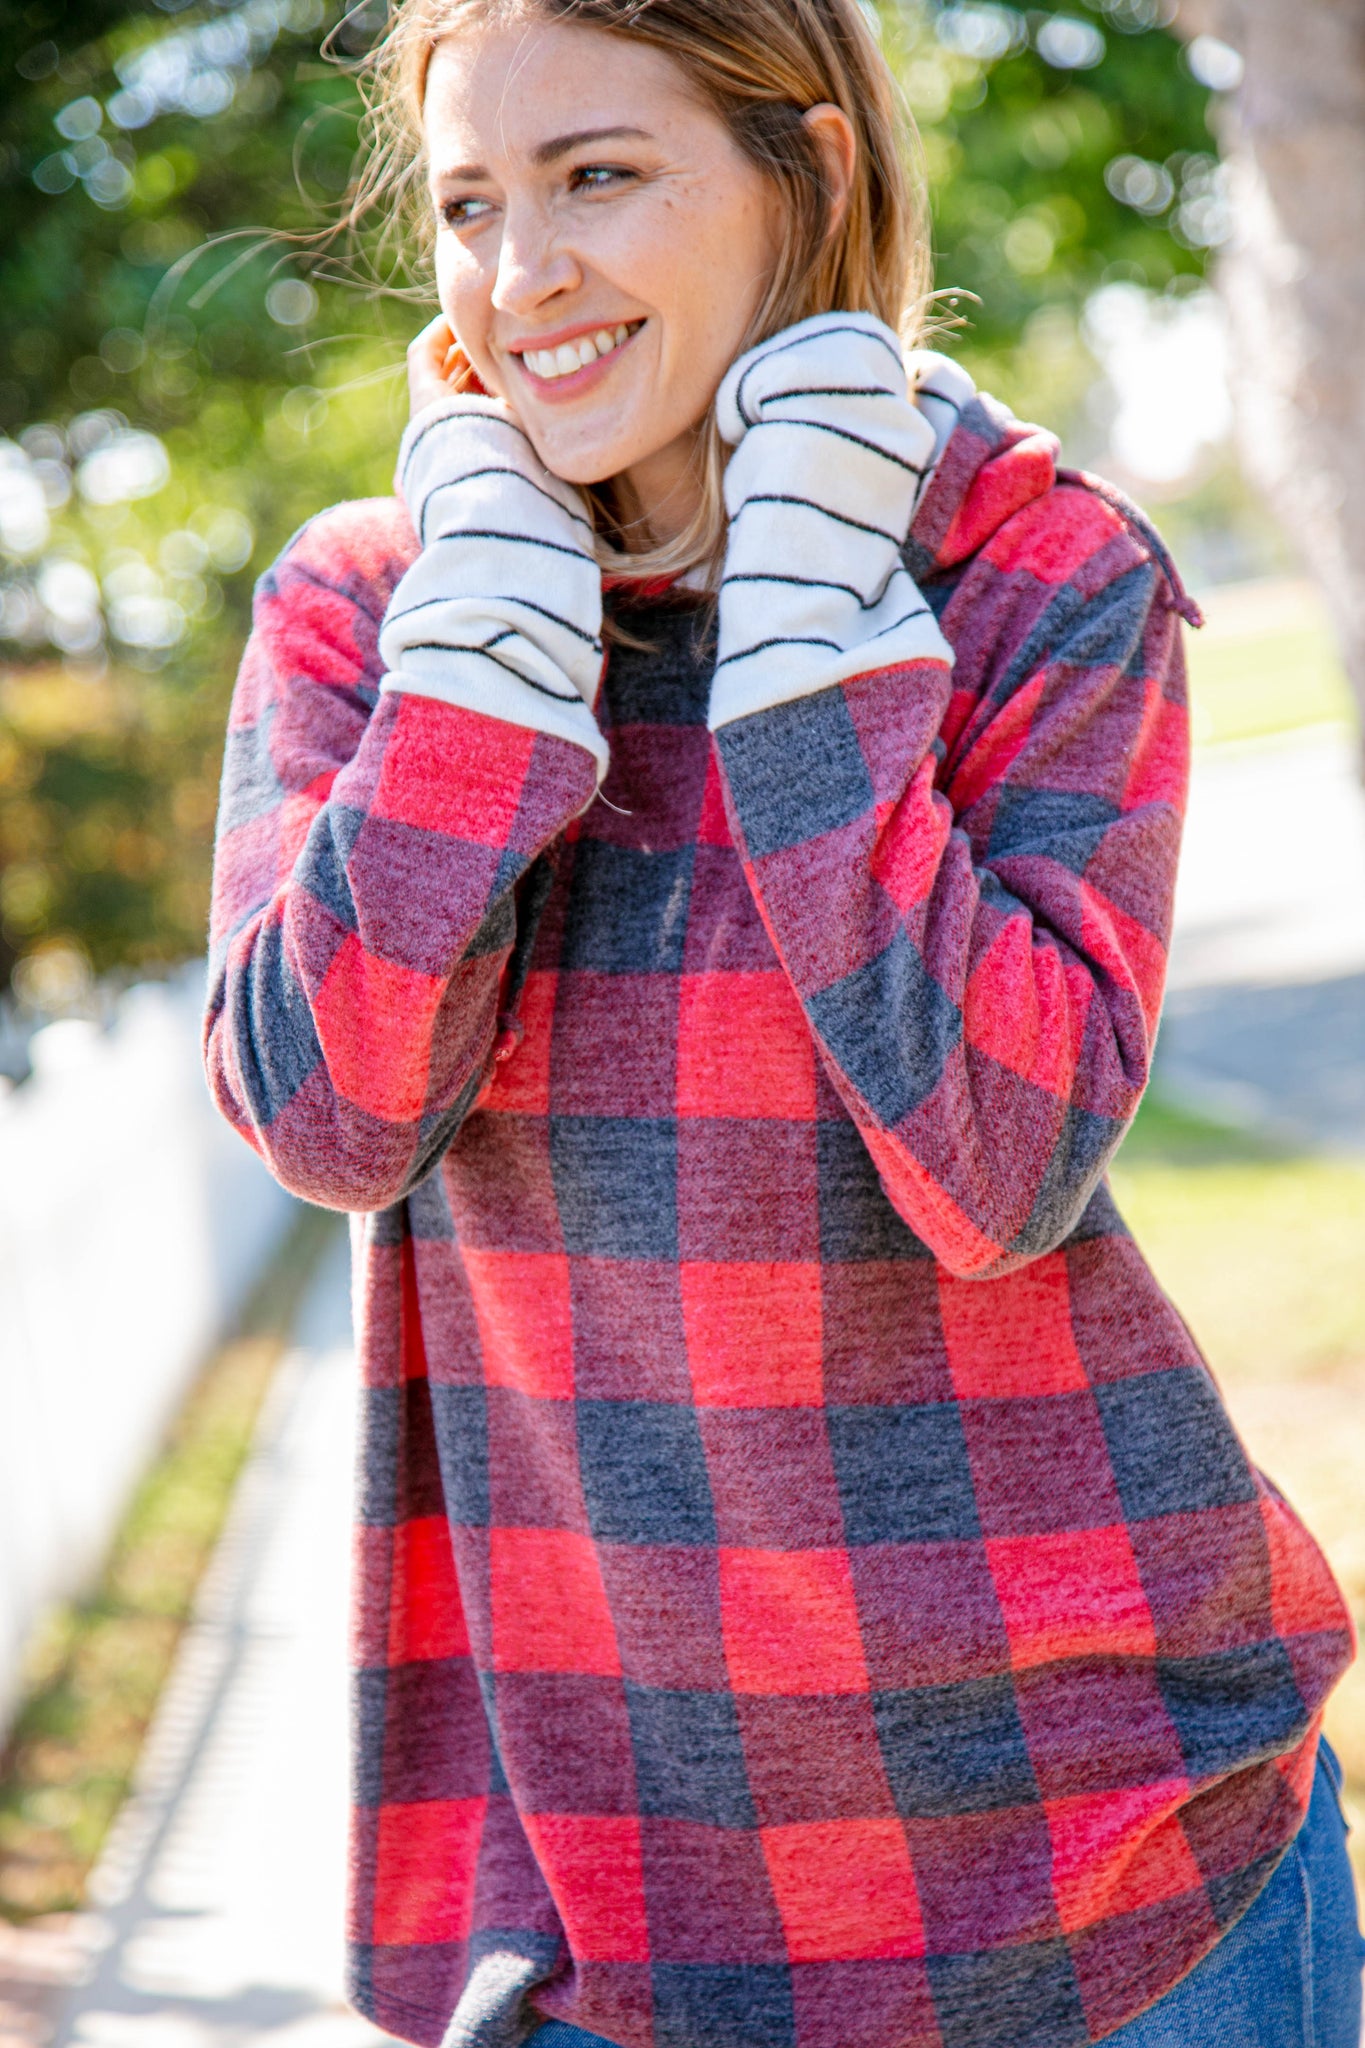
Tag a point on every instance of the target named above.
point(831, 455)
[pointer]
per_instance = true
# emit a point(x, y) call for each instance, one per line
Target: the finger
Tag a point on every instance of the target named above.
point(427, 355)
point(456, 367)
point(433, 339)
point(427, 351)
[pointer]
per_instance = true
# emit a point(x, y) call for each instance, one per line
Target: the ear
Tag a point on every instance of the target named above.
point(832, 132)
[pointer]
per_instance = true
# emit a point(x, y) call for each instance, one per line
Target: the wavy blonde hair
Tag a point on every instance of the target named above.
point(759, 65)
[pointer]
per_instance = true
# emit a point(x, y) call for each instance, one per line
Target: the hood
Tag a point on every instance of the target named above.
point(987, 466)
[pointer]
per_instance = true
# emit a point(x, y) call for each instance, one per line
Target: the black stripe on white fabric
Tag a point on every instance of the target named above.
point(570, 696)
point(916, 469)
point(459, 419)
point(493, 601)
point(520, 540)
point(867, 604)
point(834, 391)
point(783, 640)
point(809, 505)
point(939, 398)
point(468, 476)
point(816, 334)
point(923, 612)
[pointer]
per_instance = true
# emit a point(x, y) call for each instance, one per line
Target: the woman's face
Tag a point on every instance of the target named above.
point(603, 246)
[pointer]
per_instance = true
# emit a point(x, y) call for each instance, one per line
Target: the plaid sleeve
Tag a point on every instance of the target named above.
point(971, 887)
point(368, 848)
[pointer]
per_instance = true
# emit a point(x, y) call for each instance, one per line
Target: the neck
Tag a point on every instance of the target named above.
point(658, 498)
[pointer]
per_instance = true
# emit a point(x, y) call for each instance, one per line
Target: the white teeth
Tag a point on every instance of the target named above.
point(550, 363)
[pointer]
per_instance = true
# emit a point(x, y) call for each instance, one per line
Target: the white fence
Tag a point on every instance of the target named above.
point(132, 1223)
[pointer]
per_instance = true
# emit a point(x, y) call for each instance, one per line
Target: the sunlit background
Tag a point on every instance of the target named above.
point(193, 359)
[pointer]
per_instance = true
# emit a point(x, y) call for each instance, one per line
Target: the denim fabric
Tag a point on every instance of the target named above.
point(554, 2034)
point(1286, 1976)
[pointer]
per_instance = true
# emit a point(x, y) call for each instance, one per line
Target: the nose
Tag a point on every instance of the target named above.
point(534, 266)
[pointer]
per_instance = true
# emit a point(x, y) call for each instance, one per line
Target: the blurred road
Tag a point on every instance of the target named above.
point(1265, 1020)
point(1272, 872)
point(220, 1901)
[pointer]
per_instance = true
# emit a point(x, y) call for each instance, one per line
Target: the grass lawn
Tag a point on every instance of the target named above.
point(1264, 1256)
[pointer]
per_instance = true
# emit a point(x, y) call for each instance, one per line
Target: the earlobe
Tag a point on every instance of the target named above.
point(833, 134)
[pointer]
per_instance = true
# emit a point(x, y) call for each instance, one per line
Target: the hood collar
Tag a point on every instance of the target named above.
point(987, 466)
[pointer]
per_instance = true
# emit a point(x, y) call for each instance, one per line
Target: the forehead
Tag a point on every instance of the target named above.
point(495, 94)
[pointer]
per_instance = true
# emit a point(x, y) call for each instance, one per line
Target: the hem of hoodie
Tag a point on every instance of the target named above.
point(419, 2024)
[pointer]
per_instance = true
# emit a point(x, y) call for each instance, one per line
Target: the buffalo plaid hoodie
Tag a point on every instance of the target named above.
point(808, 1591)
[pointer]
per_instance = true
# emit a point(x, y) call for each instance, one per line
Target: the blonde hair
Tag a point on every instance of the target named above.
point(759, 65)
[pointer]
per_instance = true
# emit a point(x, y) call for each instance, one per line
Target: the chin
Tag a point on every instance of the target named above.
point(598, 446)
point(582, 471)
point(593, 463)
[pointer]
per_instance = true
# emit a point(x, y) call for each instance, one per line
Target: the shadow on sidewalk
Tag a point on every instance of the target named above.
point(1287, 1060)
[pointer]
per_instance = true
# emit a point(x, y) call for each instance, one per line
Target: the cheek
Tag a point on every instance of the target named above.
point(464, 292)
point(697, 261)
point(714, 286)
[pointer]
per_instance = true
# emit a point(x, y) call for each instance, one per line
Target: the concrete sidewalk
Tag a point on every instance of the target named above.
point(217, 1909)
point(1265, 1018)
point(1272, 870)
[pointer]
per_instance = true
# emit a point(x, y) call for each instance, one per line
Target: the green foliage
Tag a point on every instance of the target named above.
point(183, 380)
point(1049, 179)
point(182, 393)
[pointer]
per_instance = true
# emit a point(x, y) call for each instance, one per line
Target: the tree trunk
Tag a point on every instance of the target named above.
point(1293, 278)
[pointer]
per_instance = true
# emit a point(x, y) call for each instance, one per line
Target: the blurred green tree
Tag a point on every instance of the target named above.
point(181, 383)
point(1064, 150)
point(1293, 283)
point(161, 365)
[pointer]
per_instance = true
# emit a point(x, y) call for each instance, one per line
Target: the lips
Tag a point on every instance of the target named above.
point(569, 358)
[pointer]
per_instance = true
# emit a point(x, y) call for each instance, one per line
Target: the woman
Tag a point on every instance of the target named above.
point(808, 1590)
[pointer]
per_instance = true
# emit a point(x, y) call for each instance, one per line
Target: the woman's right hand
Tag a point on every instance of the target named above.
point(501, 612)
point(439, 368)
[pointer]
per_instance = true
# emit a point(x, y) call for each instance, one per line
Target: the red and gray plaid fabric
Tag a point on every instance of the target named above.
point(809, 1592)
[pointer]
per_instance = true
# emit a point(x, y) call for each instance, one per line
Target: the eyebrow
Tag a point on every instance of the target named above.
point(546, 153)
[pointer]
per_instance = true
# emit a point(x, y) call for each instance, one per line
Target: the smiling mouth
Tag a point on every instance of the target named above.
point(571, 357)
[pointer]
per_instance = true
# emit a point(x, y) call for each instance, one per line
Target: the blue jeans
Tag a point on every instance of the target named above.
point(1286, 1976)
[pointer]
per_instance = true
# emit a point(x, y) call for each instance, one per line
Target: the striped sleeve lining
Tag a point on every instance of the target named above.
point(501, 613)
point(832, 457)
